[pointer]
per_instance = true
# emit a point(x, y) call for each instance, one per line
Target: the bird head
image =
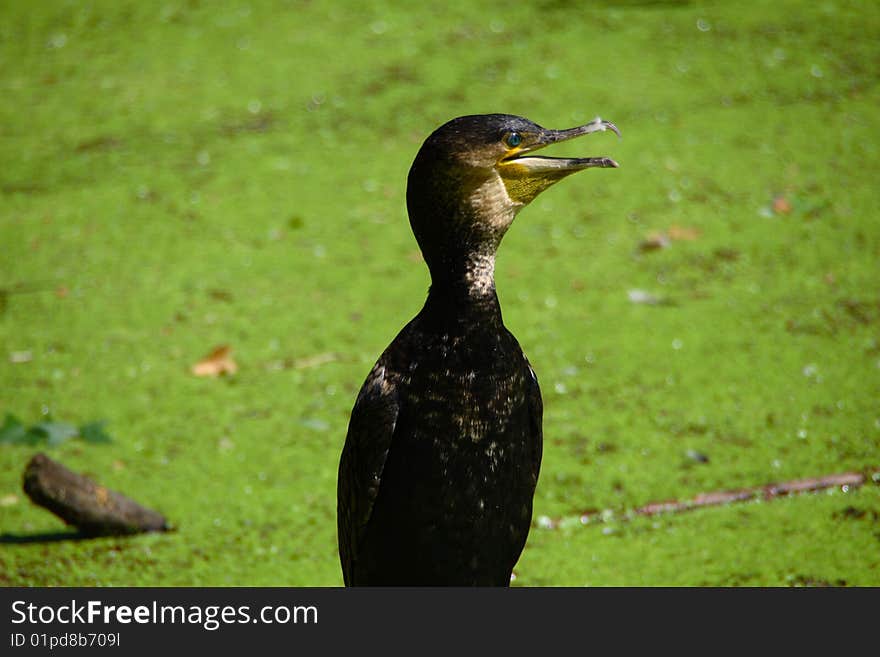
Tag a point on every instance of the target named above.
point(474, 173)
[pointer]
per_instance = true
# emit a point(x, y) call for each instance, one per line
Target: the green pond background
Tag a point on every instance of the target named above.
point(176, 176)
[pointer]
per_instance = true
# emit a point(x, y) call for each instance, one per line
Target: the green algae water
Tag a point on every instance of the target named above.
point(183, 175)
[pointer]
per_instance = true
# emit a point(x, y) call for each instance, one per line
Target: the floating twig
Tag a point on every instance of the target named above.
point(846, 481)
point(767, 492)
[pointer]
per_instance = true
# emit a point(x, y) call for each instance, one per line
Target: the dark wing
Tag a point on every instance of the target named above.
point(536, 414)
point(370, 431)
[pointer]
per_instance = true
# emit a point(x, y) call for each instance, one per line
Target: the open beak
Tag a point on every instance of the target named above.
point(526, 176)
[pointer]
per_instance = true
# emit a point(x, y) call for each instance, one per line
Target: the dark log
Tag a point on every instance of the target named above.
point(88, 506)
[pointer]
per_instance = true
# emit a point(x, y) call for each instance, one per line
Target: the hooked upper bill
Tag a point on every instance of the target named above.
point(525, 176)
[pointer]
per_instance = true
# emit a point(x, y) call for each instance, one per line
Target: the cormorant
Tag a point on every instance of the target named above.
point(443, 449)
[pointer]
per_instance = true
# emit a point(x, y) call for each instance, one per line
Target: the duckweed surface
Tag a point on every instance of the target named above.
point(177, 176)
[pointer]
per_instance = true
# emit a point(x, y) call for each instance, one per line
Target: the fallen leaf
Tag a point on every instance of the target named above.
point(216, 363)
point(781, 205)
point(62, 291)
point(50, 432)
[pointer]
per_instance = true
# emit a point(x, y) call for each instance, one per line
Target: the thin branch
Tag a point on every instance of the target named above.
point(766, 492)
point(846, 481)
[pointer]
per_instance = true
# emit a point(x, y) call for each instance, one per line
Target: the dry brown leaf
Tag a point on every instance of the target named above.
point(781, 205)
point(216, 363)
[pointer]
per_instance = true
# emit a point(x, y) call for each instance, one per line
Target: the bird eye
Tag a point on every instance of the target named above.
point(513, 139)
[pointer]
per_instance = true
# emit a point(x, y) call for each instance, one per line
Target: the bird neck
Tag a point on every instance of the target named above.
point(459, 219)
point(464, 287)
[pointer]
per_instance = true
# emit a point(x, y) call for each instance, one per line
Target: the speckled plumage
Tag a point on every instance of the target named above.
point(443, 450)
point(461, 413)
